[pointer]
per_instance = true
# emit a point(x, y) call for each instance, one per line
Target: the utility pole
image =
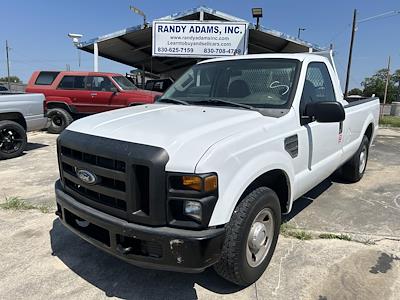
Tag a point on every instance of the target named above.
point(353, 32)
point(8, 67)
point(386, 87)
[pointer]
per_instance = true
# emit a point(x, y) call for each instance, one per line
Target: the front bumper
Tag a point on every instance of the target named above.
point(161, 248)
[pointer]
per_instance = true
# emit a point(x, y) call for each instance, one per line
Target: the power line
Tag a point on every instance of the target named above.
point(340, 32)
point(386, 14)
point(353, 31)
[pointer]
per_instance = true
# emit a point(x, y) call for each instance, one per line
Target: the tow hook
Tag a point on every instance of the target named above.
point(124, 250)
point(176, 250)
point(82, 223)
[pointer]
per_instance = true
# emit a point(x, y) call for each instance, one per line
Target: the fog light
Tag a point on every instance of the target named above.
point(193, 209)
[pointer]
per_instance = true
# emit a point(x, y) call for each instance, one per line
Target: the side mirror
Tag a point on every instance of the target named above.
point(114, 89)
point(326, 112)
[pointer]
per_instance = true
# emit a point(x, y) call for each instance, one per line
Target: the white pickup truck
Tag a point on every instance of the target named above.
point(202, 177)
point(19, 113)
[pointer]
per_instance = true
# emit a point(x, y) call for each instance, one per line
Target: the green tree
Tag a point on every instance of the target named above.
point(14, 79)
point(396, 75)
point(376, 85)
point(356, 91)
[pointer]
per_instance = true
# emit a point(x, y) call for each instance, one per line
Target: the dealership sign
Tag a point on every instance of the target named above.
point(199, 38)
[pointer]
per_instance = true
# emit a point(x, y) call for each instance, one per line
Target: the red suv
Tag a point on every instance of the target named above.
point(72, 94)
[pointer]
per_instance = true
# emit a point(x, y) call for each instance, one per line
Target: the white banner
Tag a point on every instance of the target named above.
point(199, 38)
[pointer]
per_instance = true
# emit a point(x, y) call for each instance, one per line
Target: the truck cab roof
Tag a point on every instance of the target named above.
point(297, 56)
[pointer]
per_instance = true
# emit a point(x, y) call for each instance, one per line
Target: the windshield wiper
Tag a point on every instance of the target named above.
point(169, 100)
point(226, 102)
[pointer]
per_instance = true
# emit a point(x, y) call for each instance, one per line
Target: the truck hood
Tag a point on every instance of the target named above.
point(150, 94)
point(184, 131)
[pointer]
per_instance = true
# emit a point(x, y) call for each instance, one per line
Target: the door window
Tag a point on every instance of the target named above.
point(46, 78)
point(318, 86)
point(100, 83)
point(72, 83)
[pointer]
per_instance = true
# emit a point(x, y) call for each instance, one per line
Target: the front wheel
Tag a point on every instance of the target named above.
point(251, 237)
point(12, 139)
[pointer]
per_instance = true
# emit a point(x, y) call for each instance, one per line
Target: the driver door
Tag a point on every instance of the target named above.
point(324, 139)
point(102, 91)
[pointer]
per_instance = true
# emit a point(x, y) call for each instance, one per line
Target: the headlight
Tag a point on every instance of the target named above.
point(193, 209)
point(191, 199)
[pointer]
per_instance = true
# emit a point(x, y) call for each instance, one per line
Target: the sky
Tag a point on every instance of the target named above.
point(37, 30)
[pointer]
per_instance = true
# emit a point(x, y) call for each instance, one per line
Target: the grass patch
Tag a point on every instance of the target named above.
point(343, 237)
point(300, 235)
point(44, 209)
point(391, 121)
point(286, 227)
point(288, 230)
point(16, 203)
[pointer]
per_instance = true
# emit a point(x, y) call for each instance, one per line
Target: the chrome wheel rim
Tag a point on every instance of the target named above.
point(363, 159)
point(260, 237)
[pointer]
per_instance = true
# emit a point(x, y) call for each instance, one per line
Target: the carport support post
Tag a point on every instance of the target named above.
point(96, 57)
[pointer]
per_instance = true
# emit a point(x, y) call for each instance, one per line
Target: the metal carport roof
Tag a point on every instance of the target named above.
point(132, 46)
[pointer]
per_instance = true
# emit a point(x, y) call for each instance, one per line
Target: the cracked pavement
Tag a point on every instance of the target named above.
point(40, 259)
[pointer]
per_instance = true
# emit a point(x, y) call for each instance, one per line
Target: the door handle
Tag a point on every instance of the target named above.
point(93, 94)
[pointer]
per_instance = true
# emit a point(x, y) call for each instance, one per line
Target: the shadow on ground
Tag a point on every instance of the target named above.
point(303, 202)
point(34, 146)
point(123, 280)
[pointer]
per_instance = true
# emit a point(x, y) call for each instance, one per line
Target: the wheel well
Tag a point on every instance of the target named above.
point(369, 132)
point(277, 181)
point(62, 105)
point(14, 116)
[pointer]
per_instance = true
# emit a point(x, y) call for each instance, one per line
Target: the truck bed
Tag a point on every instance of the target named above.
point(358, 101)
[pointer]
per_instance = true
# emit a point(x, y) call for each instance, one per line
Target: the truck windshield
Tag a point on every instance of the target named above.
point(259, 83)
point(124, 83)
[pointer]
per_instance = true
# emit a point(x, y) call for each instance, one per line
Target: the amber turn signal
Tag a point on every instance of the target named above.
point(197, 183)
point(210, 183)
point(193, 182)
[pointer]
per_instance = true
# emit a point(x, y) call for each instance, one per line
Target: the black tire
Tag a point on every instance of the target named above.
point(233, 264)
point(354, 170)
point(59, 120)
point(12, 139)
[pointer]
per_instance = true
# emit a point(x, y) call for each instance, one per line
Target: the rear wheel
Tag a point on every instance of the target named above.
point(354, 169)
point(59, 120)
point(12, 139)
point(251, 237)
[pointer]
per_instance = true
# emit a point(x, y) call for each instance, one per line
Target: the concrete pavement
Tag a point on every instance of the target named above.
point(40, 259)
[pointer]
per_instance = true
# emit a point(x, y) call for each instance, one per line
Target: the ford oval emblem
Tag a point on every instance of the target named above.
point(86, 176)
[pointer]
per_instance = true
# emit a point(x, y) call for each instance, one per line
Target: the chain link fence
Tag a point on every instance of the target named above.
point(14, 87)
